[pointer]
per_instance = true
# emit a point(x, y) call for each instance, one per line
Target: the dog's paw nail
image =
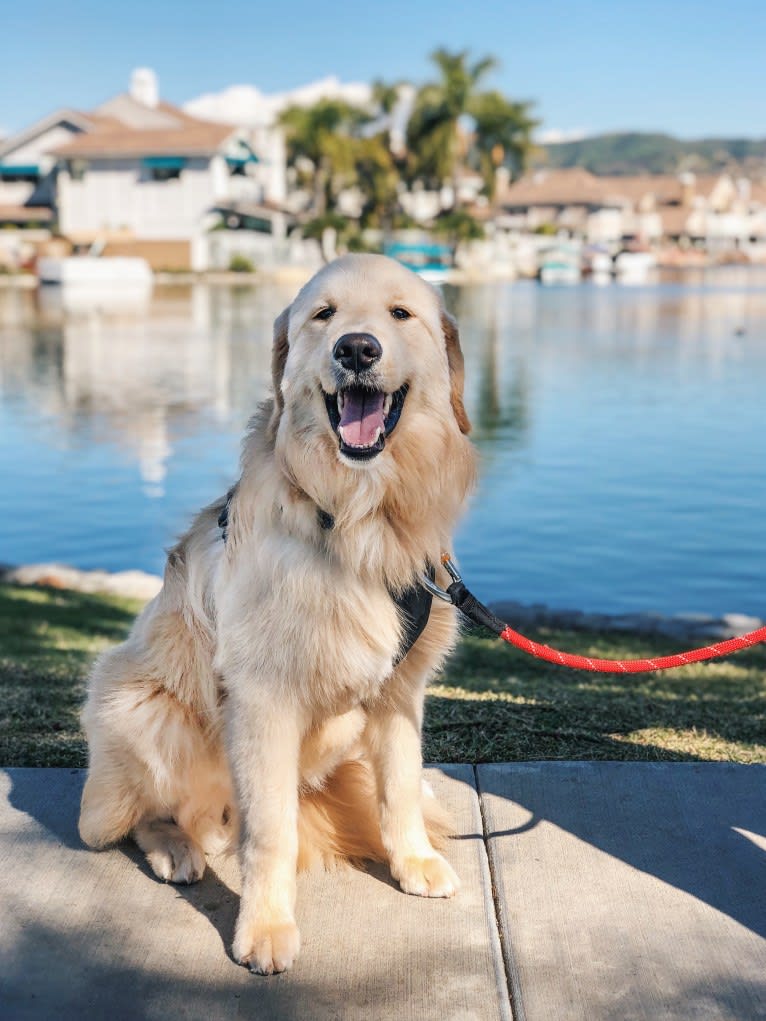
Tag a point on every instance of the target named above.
point(427, 877)
point(267, 950)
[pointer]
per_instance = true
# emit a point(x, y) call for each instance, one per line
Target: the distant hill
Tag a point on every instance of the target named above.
point(636, 153)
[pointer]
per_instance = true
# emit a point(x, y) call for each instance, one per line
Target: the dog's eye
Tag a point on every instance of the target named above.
point(325, 313)
point(400, 313)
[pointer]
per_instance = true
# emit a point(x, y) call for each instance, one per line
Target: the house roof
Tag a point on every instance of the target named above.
point(576, 186)
point(78, 120)
point(124, 127)
point(569, 187)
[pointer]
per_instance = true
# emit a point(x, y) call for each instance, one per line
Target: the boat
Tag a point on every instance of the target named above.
point(634, 267)
point(597, 264)
point(107, 271)
point(429, 260)
point(559, 265)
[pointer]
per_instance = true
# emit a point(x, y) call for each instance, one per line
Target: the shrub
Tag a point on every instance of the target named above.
point(239, 263)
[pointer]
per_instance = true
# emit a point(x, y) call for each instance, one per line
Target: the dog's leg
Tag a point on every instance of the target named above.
point(109, 807)
point(172, 854)
point(393, 742)
point(265, 745)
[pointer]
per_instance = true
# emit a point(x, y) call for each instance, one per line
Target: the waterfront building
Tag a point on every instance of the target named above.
point(140, 176)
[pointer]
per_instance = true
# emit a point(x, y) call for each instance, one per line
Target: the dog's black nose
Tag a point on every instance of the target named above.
point(357, 351)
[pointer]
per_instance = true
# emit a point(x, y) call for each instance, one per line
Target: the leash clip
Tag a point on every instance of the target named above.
point(435, 589)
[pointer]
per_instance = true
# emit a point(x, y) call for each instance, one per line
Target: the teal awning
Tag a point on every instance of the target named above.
point(241, 161)
point(250, 156)
point(19, 170)
point(165, 162)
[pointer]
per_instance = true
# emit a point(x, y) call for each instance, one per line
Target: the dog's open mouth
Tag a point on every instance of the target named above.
point(363, 419)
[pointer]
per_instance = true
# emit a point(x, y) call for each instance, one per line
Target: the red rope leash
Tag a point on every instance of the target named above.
point(631, 666)
point(469, 605)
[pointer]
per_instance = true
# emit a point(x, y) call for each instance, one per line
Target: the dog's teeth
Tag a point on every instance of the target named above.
point(341, 402)
point(387, 404)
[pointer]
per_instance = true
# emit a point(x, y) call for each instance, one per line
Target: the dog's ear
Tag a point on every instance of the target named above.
point(456, 370)
point(278, 358)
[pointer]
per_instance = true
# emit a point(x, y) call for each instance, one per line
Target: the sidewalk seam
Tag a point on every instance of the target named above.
point(512, 984)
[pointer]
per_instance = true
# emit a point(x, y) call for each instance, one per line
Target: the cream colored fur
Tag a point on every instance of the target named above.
point(256, 697)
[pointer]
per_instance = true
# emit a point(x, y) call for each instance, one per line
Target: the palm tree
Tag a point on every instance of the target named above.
point(432, 131)
point(377, 177)
point(502, 136)
point(321, 134)
point(385, 95)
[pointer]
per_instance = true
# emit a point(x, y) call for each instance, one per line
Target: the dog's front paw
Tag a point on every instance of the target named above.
point(426, 877)
point(267, 949)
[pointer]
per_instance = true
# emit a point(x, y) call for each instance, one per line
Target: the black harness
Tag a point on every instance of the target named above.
point(414, 603)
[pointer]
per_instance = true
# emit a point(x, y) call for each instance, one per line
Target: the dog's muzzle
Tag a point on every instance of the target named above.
point(360, 412)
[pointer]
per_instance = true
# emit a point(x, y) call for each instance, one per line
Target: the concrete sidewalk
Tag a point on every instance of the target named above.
point(598, 891)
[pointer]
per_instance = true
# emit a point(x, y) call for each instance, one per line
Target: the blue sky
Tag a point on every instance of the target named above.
point(691, 69)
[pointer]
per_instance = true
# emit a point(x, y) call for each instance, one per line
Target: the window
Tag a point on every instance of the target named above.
point(164, 168)
point(165, 173)
point(77, 169)
point(28, 173)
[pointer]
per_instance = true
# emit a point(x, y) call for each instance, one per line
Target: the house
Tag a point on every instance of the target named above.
point(140, 176)
point(715, 213)
point(28, 184)
point(602, 210)
point(152, 180)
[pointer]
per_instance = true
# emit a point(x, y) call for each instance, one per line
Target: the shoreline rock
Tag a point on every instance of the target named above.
point(129, 584)
point(682, 627)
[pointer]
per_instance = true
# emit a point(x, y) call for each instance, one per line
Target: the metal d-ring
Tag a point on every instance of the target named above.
point(433, 588)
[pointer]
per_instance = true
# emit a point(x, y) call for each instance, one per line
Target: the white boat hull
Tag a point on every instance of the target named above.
point(91, 271)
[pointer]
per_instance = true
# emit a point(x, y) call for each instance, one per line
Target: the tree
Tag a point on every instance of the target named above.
point(321, 134)
point(377, 177)
point(457, 226)
point(432, 131)
point(496, 131)
point(502, 136)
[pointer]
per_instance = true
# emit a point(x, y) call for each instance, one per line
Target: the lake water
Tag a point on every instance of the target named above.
point(622, 433)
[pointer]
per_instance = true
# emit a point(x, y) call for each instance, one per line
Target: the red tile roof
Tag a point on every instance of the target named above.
point(173, 132)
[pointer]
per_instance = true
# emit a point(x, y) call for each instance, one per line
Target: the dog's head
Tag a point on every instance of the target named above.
point(364, 353)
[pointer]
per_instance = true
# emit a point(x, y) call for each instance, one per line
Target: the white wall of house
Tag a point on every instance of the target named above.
point(604, 226)
point(16, 193)
point(120, 195)
point(271, 172)
point(37, 149)
point(34, 151)
point(216, 249)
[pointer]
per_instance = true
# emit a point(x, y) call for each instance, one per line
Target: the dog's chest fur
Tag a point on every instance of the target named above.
point(293, 617)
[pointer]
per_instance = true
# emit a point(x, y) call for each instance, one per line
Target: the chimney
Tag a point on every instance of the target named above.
point(688, 182)
point(144, 88)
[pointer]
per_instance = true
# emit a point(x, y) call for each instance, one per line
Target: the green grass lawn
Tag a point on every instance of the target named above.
point(491, 704)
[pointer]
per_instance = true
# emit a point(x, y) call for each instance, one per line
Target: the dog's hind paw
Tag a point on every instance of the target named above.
point(267, 949)
point(178, 864)
point(426, 877)
point(172, 854)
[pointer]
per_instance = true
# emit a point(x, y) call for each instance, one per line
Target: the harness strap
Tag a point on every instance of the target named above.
point(414, 605)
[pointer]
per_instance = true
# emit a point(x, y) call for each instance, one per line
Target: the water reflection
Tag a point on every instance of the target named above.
point(140, 378)
point(620, 431)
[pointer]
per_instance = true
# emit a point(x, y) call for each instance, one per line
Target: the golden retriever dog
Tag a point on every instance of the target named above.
point(272, 693)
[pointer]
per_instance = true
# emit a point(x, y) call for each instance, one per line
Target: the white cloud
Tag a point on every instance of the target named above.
point(247, 105)
point(554, 136)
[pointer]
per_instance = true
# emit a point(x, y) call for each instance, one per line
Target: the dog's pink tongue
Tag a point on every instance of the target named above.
point(361, 418)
